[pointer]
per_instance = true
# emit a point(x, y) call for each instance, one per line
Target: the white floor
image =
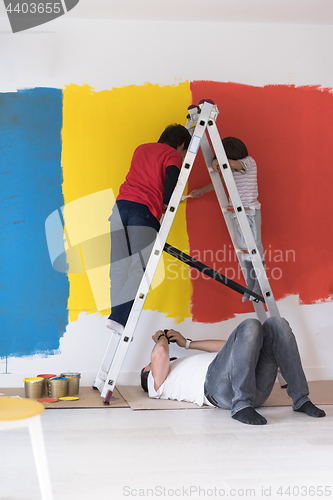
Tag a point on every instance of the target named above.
point(119, 453)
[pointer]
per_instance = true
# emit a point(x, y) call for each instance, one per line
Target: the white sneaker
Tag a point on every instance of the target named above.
point(116, 327)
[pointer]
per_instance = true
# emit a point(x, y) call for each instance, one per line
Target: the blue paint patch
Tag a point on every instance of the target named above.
point(33, 296)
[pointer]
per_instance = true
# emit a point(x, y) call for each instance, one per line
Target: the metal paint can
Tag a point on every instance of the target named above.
point(46, 377)
point(73, 382)
point(58, 387)
point(33, 387)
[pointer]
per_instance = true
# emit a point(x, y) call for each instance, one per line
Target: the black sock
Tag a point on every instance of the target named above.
point(311, 410)
point(249, 416)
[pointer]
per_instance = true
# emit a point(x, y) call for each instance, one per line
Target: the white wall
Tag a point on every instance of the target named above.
point(108, 54)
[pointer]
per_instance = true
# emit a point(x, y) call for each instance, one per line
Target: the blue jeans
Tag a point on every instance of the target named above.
point(244, 371)
point(254, 220)
point(133, 233)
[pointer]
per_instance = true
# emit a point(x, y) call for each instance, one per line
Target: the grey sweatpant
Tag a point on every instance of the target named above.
point(244, 371)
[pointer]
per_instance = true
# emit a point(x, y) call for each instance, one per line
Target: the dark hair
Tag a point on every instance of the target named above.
point(144, 379)
point(175, 135)
point(234, 148)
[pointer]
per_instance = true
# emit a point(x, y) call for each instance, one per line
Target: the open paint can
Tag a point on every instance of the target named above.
point(73, 382)
point(58, 387)
point(33, 387)
point(46, 377)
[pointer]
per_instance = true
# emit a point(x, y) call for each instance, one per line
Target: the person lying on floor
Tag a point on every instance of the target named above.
point(237, 374)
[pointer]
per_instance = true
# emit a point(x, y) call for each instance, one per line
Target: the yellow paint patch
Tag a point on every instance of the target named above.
point(100, 133)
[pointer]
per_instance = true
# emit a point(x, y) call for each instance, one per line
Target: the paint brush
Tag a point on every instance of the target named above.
point(185, 196)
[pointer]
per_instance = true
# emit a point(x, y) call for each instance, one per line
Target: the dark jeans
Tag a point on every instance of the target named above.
point(133, 233)
point(244, 371)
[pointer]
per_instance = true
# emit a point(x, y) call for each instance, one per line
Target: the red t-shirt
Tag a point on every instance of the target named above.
point(145, 180)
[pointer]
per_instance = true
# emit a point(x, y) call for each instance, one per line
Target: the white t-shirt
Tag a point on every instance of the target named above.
point(246, 182)
point(185, 381)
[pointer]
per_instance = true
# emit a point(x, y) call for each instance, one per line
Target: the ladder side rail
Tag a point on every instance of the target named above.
point(102, 372)
point(220, 192)
point(224, 203)
point(242, 220)
point(157, 251)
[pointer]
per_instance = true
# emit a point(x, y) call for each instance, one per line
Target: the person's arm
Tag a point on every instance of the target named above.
point(196, 193)
point(201, 345)
point(160, 361)
point(170, 181)
point(234, 165)
point(207, 345)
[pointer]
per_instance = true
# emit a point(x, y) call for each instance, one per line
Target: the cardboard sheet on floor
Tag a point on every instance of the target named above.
point(88, 398)
point(321, 393)
point(139, 400)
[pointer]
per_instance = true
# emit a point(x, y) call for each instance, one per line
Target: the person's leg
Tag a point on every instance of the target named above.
point(251, 280)
point(254, 220)
point(230, 380)
point(120, 264)
point(141, 229)
point(255, 225)
point(280, 350)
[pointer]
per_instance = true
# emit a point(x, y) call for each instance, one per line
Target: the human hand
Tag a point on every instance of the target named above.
point(176, 337)
point(196, 193)
point(157, 334)
point(215, 165)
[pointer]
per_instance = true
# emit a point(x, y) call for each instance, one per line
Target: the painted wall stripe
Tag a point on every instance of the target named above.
point(33, 297)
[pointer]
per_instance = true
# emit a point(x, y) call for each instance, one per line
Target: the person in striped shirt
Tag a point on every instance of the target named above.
point(244, 169)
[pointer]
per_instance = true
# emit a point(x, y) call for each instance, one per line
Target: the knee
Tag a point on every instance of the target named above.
point(253, 324)
point(279, 326)
point(250, 329)
point(274, 322)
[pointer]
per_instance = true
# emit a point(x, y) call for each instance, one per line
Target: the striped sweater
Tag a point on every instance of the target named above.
point(246, 182)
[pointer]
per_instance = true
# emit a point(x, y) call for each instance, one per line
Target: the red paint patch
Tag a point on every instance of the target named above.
point(288, 132)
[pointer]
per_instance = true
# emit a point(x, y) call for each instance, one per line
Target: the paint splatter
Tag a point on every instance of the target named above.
point(100, 133)
point(33, 297)
point(288, 131)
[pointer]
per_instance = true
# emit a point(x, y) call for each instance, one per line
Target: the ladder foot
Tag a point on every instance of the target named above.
point(108, 398)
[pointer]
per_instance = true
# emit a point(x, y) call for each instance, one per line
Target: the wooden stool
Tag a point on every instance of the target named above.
point(17, 412)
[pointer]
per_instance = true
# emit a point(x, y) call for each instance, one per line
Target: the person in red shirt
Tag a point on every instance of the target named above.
point(135, 217)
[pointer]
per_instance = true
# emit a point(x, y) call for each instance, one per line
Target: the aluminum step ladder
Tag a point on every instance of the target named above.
point(201, 121)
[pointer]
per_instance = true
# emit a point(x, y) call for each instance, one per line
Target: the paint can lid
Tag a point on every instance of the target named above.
point(32, 379)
